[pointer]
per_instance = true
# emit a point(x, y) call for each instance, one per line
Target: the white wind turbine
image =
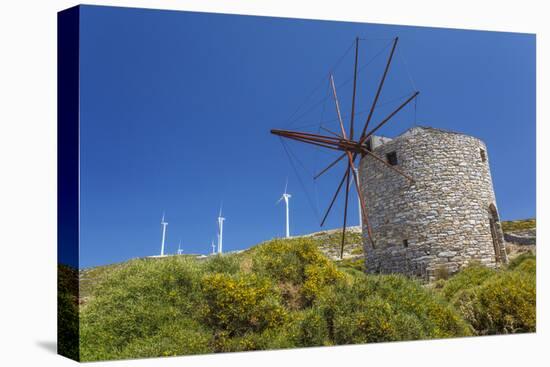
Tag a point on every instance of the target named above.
point(286, 196)
point(213, 247)
point(163, 224)
point(220, 232)
point(180, 251)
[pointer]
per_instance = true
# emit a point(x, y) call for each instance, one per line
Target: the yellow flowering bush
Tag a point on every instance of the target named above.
point(239, 304)
point(496, 301)
point(296, 261)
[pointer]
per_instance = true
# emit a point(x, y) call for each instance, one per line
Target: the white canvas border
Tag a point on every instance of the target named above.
point(28, 180)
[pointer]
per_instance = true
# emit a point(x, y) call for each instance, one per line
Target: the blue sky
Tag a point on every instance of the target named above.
point(176, 109)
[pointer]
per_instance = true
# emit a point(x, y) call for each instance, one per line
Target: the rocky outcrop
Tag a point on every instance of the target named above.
point(329, 243)
point(526, 237)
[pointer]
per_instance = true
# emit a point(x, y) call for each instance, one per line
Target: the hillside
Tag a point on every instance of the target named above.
point(285, 294)
point(329, 242)
point(520, 236)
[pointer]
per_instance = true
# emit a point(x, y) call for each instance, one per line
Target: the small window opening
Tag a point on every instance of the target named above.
point(405, 243)
point(392, 158)
point(483, 155)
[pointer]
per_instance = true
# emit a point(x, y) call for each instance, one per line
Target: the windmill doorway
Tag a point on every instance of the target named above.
point(497, 236)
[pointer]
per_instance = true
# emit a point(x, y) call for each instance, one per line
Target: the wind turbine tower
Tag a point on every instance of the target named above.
point(220, 232)
point(180, 251)
point(286, 196)
point(213, 247)
point(163, 224)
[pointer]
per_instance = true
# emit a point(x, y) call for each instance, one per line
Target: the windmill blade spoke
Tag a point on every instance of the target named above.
point(362, 201)
point(331, 132)
point(364, 138)
point(323, 145)
point(369, 231)
point(329, 166)
point(380, 85)
point(345, 214)
point(356, 183)
point(354, 88)
point(315, 139)
point(334, 197)
point(302, 134)
point(337, 106)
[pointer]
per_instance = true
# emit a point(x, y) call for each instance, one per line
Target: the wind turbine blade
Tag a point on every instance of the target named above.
point(334, 197)
point(278, 201)
point(380, 85)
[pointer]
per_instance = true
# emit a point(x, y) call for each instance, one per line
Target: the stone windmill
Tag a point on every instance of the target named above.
point(442, 219)
point(353, 145)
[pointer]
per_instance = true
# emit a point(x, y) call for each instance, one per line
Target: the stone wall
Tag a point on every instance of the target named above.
point(440, 222)
point(526, 237)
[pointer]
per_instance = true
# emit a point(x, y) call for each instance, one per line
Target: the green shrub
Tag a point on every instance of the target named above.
point(527, 266)
point(505, 303)
point(311, 329)
point(240, 304)
point(276, 338)
point(298, 262)
point(375, 321)
point(302, 329)
point(180, 337)
point(222, 264)
point(351, 270)
point(356, 264)
point(471, 276)
point(387, 307)
point(514, 263)
point(137, 301)
point(438, 318)
point(496, 301)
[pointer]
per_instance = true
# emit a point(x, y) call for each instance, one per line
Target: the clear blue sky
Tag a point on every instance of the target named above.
point(176, 109)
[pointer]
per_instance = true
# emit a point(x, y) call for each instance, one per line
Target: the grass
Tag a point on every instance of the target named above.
point(67, 312)
point(518, 225)
point(280, 294)
point(333, 239)
point(90, 278)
